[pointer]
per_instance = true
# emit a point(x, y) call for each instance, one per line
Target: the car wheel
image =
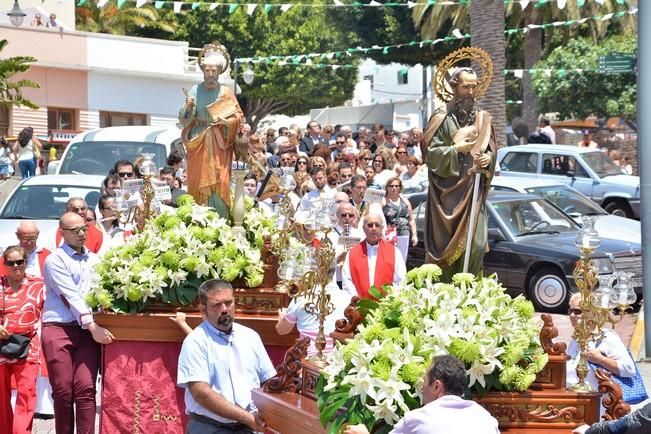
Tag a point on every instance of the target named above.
point(619, 208)
point(548, 290)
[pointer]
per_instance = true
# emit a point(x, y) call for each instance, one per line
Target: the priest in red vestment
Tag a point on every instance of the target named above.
point(373, 262)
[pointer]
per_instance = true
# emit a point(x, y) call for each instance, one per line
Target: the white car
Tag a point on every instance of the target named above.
point(574, 204)
point(43, 199)
point(95, 152)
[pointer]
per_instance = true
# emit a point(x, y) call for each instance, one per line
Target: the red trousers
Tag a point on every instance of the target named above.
point(25, 376)
point(72, 362)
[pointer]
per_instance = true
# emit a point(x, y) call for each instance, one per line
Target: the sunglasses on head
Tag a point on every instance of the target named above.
point(16, 263)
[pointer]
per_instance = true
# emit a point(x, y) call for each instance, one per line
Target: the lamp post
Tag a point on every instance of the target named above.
point(16, 15)
point(248, 75)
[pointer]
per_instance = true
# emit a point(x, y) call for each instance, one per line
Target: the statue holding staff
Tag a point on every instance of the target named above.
point(459, 148)
point(211, 118)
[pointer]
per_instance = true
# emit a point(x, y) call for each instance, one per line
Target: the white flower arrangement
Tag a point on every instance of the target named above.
point(377, 375)
point(175, 252)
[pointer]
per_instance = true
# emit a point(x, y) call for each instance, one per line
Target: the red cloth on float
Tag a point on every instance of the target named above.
point(385, 267)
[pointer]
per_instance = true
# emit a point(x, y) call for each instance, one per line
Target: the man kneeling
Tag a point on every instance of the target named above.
point(444, 410)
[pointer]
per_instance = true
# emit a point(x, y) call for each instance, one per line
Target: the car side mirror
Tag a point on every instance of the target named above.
point(495, 234)
point(570, 173)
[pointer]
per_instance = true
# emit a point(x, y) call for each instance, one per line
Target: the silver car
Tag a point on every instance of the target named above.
point(43, 199)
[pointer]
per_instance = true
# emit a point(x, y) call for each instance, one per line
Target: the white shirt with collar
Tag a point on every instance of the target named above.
point(312, 199)
point(399, 272)
point(334, 235)
point(33, 267)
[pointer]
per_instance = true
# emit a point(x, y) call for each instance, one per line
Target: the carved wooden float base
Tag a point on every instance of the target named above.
point(157, 327)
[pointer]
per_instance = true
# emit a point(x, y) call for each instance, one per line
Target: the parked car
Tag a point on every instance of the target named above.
point(532, 250)
point(574, 204)
point(94, 152)
point(588, 170)
point(43, 199)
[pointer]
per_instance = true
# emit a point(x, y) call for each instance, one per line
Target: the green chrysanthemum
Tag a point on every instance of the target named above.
point(372, 332)
point(393, 334)
point(134, 293)
point(184, 199)
point(230, 251)
point(513, 352)
point(91, 300)
point(241, 262)
point(147, 259)
point(190, 263)
point(351, 349)
point(523, 307)
point(184, 213)
point(412, 372)
point(216, 256)
point(460, 278)
point(230, 272)
point(381, 368)
point(104, 299)
point(523, 380)
point(172, 222)
point(509, 374)
point(199, 233)
point(464, 350)
point(253, 280)
point(170, 259)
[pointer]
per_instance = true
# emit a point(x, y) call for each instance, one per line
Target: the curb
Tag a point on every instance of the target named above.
point(636, 340)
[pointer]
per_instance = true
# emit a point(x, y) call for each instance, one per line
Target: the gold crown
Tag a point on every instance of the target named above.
point(446, 68)
point(215, 47)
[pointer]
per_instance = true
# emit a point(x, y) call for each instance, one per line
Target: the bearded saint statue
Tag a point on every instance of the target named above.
point(458, 137)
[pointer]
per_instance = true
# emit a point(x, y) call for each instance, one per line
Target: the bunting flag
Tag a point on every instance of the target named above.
point(456, 34)
point(250, 7)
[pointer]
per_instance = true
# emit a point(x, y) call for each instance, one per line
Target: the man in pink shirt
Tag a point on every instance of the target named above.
point(444, 410)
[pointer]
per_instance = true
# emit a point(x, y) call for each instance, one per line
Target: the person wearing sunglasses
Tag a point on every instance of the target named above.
point(94, 238)
point(70, 335)
point(21, 306)
point(608, 353)
point(401, 224)
point(345, 234)
point(124, 169)
point(401, 157)
point(373, 262)
point(302, 165)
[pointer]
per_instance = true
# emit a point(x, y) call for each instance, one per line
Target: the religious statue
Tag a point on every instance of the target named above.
point(211, 120)
point(459, 149)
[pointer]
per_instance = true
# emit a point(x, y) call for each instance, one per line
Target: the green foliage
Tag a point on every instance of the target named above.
point(287, 89)
point(581, 94)
point(11, 91)
point(142, 21)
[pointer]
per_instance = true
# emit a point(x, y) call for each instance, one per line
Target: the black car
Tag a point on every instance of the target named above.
point(532, 249)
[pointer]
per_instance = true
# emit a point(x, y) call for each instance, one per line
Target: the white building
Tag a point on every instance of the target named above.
point(91, 80)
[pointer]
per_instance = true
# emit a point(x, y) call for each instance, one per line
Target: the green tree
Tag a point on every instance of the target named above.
point(11, 91)
point(575, 94)
point(291, 88)
point(142, 21)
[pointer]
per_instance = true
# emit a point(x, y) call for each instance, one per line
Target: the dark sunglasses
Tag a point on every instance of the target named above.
point(302, 162)
point(344, 214)
point(125, 174)
point(574, 311)
point(77, 230)
point(17, 262)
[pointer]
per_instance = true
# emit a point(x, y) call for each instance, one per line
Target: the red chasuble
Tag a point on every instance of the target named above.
point(385, 266)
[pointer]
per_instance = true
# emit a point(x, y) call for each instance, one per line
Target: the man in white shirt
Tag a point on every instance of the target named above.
point(315, 198)
point(444, 410)
point(346, 227)
point(373, 262)
point(220, 363)
point(546, 128)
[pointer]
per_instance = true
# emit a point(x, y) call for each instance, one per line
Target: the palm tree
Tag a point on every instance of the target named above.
point(11, 91)
point(430, 19)
point(121, 21)
point(487, 30)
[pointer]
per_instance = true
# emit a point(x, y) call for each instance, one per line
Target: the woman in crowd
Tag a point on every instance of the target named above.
point(28, 149)
point(333, 175)
point(397, 211)
point(415, 178)
point(302, 165)
point(382, 172)
point(369, 173)
point(22, 303)
point(317, 162)
point(401, 156)
point(6, 159)
point(364, 160)
point(609, 352)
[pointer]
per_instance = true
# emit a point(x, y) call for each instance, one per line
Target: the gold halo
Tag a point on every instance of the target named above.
point(440, 81)
point(215, 46)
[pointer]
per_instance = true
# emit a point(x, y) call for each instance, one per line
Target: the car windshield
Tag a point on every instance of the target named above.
point(97, 158)
point(601, 164)
point(45, 202)
point(532, 216)
point(569, 200)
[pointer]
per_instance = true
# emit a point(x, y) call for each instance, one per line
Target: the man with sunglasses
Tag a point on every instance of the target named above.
point(70, 336)
point(94, 238)
point(27, 234)
point(344, 232)
point(373, 262)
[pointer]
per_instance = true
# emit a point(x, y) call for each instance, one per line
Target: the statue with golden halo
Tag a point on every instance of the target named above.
point(459, 149)
point(211, 120)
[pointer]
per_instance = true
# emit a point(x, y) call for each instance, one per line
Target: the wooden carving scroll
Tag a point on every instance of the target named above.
point(612, 396)
point(547, 334)
point(534, 413)
point(288, 377)
point(352, 318)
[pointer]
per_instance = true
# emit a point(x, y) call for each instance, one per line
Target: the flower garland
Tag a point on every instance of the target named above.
point(176, 251)
point(377, 375)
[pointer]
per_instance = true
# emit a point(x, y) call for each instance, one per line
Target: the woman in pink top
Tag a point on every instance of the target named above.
point(20, 309)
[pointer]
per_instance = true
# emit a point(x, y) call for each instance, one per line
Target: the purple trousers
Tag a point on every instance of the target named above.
point(72, 358)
